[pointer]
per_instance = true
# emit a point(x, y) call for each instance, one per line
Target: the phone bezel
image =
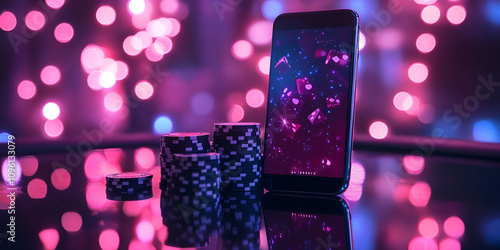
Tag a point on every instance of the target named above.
point(314, 184)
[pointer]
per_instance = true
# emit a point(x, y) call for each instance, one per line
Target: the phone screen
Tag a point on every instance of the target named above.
point(308, 108)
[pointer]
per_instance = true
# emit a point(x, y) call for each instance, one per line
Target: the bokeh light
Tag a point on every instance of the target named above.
point(71, 221)
point(428, 227)
point(235, 113)
point(362, 41)
point(64, 32)
point(105, 15)
point(132, 45)
point(30, 165)
point(454, 227)
point(456, 14)
point(144, 90)
point(4, 137)
point(430, 14)
point(26, 89)
point(176, 27)
point(358, 173)
point(402, 101)
point(414, 107)
point(163, 125)
point(145, 231)
point(420, 193)
point(144, 158)
point(8, 21)
point(55, 4)
point(485, 131)
point(35, 20)
point(93, 80)
point(378, 130)
point(425, 2)
point(492, 10)
point(353, 192)
point(107, 79)
point(113, 101)
point(12, 177)
point(152, 55)
point(271, 9)
point(260, 32)
point(265, 65)
point(95, 195)
point(426, 43)
point(108, 65)
point(53, 128)
point(255, 98)
point(94, 165)
point(49, 238)
point(422, 243)
point(50, 75)
point(37, 189)
point(159, 27)
point(121, 70)
point(242, 49)
point(163, 45)
point(60, 178)
point(449, 244)
point(51, 111)
point(413, 164)
point(136, 6)
point(109, 239)
point(91, 58)
point(202, 103)
point(418, 72)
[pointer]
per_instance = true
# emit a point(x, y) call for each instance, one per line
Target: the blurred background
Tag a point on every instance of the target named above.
point(73, 68)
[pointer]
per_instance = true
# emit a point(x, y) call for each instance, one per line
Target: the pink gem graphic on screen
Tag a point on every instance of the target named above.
point(308, 105)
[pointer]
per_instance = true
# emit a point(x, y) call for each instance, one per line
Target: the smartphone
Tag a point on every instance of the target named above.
point(310, 106)
point(306, 222)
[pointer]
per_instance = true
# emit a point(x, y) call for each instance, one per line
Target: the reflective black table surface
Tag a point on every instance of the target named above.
point(394, 201)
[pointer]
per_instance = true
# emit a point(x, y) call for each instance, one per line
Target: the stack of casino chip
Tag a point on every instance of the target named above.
point(240, 147)
point(129, 186)
point(241, 220)
point(179, 143)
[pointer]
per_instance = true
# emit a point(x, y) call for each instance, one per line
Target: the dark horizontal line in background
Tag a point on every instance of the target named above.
point(424, 146)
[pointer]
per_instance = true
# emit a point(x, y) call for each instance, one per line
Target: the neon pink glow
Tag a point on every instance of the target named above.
point(260, 32)
point(414, 164)
point(35, 20)
point(109, 239)
point(134, 208)
point(105, 15)
point(430, 14)
point(51, 111)
point(37, 189)
point(357, 173)
point(163, 45)
point(53, 128)
point(389, 39)
point(235, 113)
point(454, 227)
point(60, 178)
point(428, 227)
point(113, 102)
point(132, 45)
point(145, 39)
point(64, 32)
point(145, 158)
point(402, 101)
point(8, 21)
point(422, 243)
point(94, 165)
point(456, 14)
point(49, 238)
point(414, 107)
point(121, 70)
point(55, 4)
point(378, 130)
point(242, 49)
point(108, 65)
point(71, 221)
point(418, 72)
point(152, 55)
point(144, 90)
point(93, 80)
point(50, 75)
point(420, 193)
point(91, 57)
point(264, 65)
point(426, 113)
point(426, 43)
point(96, 196)
point(450, 244)
point(353, 192)
point(5, 172)
point(176, 27)
point(255, 98)
point(26, 89)
point(30, 165)
point(107, 79)
point(145, 231)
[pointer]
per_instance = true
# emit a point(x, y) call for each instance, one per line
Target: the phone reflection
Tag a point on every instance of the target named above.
point(301, 222)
